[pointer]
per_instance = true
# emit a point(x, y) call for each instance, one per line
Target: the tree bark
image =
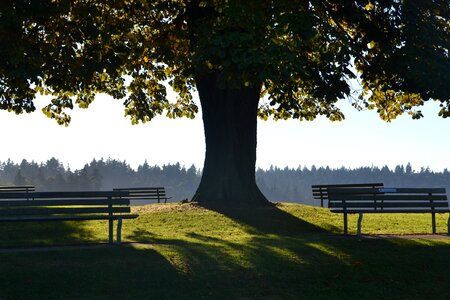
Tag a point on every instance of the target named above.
point(230, 120)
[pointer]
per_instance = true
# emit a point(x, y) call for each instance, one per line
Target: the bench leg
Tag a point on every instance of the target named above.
point(448, 225)
point(359, 224)
point(433, 222)
point(111, 231)
point(119, 231)
point(345, 224)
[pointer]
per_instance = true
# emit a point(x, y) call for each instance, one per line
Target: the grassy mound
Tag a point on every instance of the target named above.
point(186, 252)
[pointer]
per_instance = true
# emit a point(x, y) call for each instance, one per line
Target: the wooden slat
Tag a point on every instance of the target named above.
point(64, 195)
point(139, 189)
point(387, 191)
point(150, 192)
point(67, 218)
point(387, 204)
point(421, 190)
point(132, 195)
point(63, 210)
point(142, 196)
point(387, 197)
point(17, 188)
point(147, 192)
point(415, 211)
point(9, 203)
point(346, 185)
point(83, 194)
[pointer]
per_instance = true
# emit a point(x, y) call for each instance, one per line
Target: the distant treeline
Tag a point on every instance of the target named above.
point(180, 182)
point(294, 185)
point(288, 185)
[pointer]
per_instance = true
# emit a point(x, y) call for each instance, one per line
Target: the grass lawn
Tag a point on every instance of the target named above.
point(185, 252)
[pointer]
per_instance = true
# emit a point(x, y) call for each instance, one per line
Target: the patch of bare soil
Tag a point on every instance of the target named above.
point(149, 208)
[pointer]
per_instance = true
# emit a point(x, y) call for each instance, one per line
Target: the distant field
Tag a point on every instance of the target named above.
point(185, 252)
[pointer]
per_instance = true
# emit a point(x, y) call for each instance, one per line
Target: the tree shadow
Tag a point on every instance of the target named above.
point(55, 233)
point(269, 220)
point(91, 273)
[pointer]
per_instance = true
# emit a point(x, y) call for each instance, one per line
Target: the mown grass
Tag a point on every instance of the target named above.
point(185, 252)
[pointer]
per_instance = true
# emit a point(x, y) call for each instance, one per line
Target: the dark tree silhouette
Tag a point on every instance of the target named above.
point(300, 54)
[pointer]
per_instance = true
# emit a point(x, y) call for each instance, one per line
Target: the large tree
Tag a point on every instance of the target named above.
point(269, 58)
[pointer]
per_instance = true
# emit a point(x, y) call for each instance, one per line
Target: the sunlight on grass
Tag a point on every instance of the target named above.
point(331, 251)
point(287, 254)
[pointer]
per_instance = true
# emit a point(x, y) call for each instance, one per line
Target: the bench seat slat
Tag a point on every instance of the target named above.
point(368, 191)
point(318, 186)
point(388, 197)
point(387, 204)
point(62, 210)
point(17, 188)
point(140, 188)
point(65, 195)
point(137, 195)
point(387, 211)
point(67, 218)
point(62, 202)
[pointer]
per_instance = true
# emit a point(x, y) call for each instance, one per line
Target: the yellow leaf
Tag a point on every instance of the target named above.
point(369, 7)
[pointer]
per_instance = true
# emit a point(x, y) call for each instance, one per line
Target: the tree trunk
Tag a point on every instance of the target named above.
point(229, 119)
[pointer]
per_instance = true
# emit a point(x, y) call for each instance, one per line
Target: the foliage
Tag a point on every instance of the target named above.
point(186, 252)
point(300, 53)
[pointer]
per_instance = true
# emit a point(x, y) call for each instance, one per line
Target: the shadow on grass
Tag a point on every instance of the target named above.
point(98, 273)
point(270, 220)
point(41, 234)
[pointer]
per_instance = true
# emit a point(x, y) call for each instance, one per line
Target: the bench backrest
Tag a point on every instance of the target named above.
point(145, 193)
point(61, 204)
point(320, 191)
point(17, 188)
point(387, 199)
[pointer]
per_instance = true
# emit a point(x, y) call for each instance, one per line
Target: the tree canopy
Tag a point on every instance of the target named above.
point(301, 53)
point(267, 58)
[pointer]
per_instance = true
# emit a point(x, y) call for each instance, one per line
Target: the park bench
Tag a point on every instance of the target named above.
point(388, 200)
point(67, 206)
point(145, 193)
point(320, 191)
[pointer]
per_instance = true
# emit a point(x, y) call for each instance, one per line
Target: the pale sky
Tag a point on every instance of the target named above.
point(103, 132)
